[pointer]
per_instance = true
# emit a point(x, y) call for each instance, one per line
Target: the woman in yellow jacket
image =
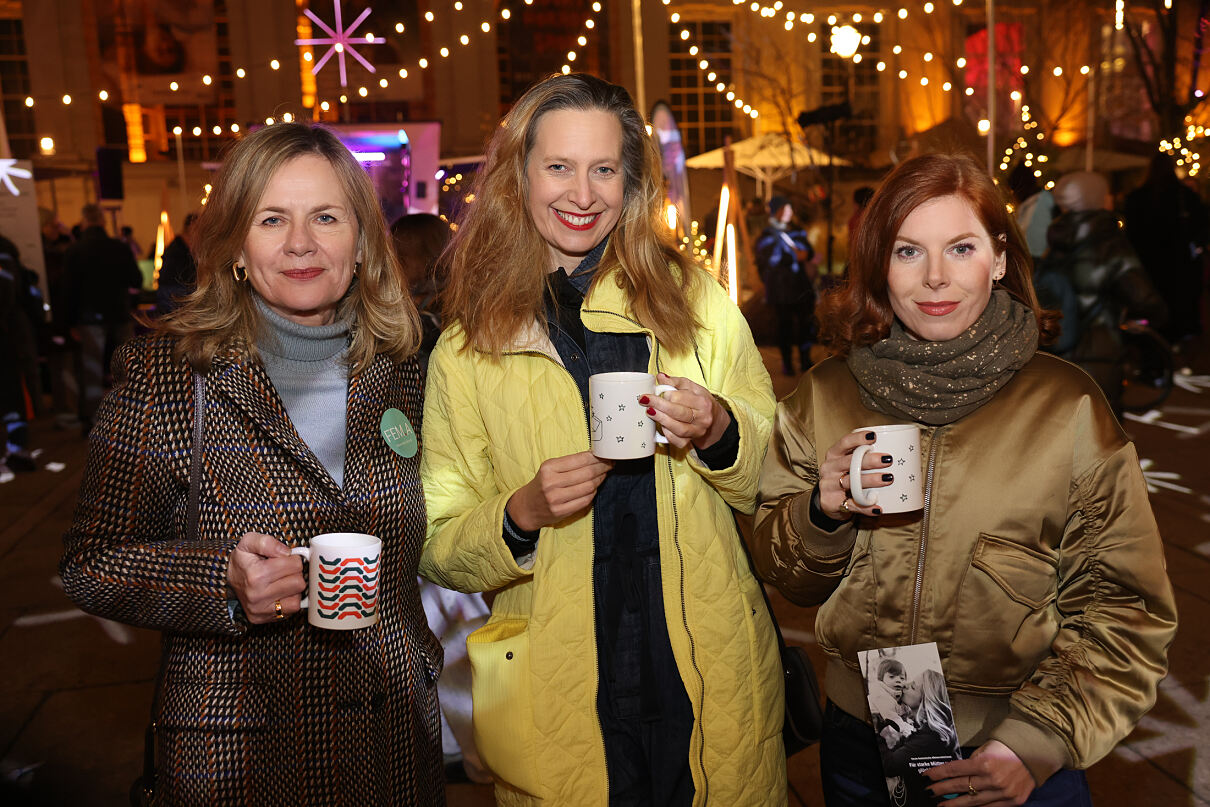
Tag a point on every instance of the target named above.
point(629, 658)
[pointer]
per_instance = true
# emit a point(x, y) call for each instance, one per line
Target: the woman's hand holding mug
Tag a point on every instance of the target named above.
point(690, 415)
point(265, 578)
point(835, 471)
point(562, 487)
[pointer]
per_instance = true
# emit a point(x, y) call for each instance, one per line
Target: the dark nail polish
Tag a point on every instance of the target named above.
point(869, 435)
point(650, 411)
point(877, 511)
point(888, 477)
point(644, 400)
point(886, 458)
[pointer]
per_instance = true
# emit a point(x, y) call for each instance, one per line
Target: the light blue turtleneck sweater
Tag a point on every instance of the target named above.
point(306, 365)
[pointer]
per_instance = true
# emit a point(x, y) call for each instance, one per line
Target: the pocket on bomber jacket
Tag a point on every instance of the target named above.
point(849, 613)
point(1005, 616)
point(501, 690)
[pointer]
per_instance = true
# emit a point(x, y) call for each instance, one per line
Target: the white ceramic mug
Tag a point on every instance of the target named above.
point(906, 493)
point(619, 425)
point(343, 570)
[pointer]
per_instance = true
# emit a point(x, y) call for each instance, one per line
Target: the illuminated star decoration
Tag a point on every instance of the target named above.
point(8, 170)
point(340, 41)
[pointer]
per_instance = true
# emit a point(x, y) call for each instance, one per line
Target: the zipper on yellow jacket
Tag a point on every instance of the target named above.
point(596, 657)
point(680, 555)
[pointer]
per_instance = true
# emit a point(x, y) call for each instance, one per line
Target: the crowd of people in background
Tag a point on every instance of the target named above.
point(641, 609)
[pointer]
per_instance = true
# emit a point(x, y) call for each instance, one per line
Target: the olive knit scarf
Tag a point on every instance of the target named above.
point(940, 382)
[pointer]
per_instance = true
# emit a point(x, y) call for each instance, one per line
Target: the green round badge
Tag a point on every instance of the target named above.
point(398, 433)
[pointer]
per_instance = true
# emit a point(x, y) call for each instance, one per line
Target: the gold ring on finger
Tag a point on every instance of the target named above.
point(278, 612)
point(970, 787)
point(845, 505)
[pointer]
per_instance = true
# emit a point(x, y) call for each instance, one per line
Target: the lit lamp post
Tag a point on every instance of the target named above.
point(180, 166)
point(844, 43)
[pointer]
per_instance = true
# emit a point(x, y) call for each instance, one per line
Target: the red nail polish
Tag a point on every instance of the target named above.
point(644, 400)
point(650, 411)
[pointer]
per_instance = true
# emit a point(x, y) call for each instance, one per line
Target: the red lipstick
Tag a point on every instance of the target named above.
point(939, 309)
point(304, 274)
point(588, 225)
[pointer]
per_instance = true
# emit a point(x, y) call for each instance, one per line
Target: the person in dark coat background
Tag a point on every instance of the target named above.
point(1088, 248)
point(178, 272)
point(787, 266)
point(1168, 226)
point(103, 279)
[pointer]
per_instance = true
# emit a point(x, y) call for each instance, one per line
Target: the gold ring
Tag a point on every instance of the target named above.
point(840, 481)
point(970, 787)
point(692, 414)
point(277, 610)
point(845, 505)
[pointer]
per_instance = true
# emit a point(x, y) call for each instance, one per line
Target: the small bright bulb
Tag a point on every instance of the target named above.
point(176, 130)
point(240, 72)
point(197, 131)
point(103, 95)
point(208, 81)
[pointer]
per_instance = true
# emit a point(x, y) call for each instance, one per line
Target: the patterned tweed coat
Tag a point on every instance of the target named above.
point(283, 713)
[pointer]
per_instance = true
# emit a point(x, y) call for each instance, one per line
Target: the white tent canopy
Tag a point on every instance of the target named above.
point(767, 158)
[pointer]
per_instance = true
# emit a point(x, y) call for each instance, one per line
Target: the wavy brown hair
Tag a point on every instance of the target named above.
point(859, 312)
point(221, 313)
point(498, 261)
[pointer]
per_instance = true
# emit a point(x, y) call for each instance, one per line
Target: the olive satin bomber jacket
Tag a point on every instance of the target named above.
point(1036, 565)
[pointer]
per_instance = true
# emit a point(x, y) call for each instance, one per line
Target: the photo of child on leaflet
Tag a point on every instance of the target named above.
point(912, 717)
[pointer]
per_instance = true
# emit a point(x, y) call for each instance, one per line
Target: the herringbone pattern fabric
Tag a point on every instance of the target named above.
point(276, 714)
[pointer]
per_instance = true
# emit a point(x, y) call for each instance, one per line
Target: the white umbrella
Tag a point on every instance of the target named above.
point(767, 158)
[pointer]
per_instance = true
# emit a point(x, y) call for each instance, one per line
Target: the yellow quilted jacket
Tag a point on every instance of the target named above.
point(487, 427)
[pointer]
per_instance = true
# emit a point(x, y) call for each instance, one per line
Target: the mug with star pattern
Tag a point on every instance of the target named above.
point(618, 425)
point(906, 492)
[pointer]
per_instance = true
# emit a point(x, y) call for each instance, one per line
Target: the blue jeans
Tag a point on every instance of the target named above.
point(851, 769)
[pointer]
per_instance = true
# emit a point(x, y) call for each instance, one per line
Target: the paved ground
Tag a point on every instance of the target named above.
point(75, 692)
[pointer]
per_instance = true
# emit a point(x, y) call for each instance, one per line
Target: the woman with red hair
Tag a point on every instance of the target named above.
point(1035, 564)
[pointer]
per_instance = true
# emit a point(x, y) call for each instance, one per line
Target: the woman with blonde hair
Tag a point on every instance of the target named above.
point(629, 658)
point(252, 420)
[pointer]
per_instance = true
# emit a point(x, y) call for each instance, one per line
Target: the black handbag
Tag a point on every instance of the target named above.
point(142, 790)
point(804, 716)
point(802, 724)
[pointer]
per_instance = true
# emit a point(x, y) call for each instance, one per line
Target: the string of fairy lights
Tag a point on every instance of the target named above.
point(1028, 144)
point(925, 73)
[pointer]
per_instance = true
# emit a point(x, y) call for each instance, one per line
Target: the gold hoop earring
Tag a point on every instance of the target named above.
point(236, 269)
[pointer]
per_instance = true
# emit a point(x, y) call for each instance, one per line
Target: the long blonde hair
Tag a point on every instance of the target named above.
point(498, 260)
point(221, 313)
